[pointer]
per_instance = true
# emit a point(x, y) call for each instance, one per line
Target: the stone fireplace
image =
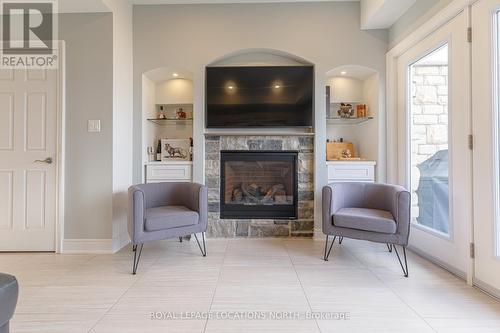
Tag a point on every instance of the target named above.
point(260, 186)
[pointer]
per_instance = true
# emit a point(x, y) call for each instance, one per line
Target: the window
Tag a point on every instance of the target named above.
point(428, 124)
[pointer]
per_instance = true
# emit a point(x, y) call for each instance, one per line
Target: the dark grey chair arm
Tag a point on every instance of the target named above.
point(137, 208)
point(9, 291)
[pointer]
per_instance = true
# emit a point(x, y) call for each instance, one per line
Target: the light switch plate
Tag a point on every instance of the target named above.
point(94, 126)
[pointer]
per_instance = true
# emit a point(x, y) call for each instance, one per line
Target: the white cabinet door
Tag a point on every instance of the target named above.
point(351, 172)
point(485, 110)
point(168, 173)
point(28, 133)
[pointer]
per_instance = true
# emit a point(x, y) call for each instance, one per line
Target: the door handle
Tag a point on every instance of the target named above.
point(48, 160)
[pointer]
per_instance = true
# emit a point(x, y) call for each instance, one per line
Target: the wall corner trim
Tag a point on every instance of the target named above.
point(87, 246)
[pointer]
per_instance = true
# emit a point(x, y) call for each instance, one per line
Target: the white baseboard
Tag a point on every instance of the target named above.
point(120, 242)
point(87, 246)
point(459, 273)
point(492, 291)
point(318, 235)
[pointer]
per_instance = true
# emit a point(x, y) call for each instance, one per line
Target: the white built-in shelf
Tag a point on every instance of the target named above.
point(347, 121)
point(168, 121)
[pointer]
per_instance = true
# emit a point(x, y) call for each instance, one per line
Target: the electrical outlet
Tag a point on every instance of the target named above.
point(94, 126)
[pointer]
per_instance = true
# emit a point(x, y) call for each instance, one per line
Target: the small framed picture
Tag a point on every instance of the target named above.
point(175, 149)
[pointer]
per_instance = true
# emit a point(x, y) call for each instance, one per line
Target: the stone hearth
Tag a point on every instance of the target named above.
point(302, 227)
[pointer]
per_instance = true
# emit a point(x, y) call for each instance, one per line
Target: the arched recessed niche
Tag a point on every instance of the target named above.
point(259, 57)
point(356, 85)
point(167, 106)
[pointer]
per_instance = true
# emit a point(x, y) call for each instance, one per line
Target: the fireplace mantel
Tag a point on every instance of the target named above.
point(254, 132)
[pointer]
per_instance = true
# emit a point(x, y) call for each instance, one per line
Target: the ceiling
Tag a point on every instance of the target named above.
point(82, 6)
point(354, 71)
point(172, 2)
point(375, 14)
point(167, 73)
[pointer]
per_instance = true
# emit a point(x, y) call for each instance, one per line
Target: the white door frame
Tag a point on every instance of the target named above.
point(396, 166)
point(61, 147)
point(485, 97)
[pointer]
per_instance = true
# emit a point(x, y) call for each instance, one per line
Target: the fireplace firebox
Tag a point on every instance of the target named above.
point(258, 185)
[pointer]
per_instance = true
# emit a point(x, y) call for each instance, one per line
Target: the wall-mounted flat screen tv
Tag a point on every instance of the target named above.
point(267, 96)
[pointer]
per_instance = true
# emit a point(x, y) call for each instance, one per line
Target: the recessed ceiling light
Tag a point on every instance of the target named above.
point(230, 87)
point(175, 75)
point(277, 86)
point(343, 73)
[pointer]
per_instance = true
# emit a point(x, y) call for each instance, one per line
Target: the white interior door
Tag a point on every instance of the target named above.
point(433, 120)
point(485, 111)
point(28, 156)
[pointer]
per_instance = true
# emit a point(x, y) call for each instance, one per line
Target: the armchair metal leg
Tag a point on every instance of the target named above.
point(389, 247)
point(327, 254)
point(405, 268)
point(340, 239)
point(204, 250)
point(137, 257)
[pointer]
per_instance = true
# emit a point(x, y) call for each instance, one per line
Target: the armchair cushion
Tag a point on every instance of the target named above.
point(367, 219)
point(167, 217)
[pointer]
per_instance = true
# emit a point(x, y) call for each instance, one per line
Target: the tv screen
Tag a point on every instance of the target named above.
point(268, 96)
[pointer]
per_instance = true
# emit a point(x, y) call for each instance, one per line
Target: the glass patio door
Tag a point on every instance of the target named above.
point(486, 152)
point(434, 124)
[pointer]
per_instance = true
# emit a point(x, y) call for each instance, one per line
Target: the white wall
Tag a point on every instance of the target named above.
point(369, 131)
point(174, 91)
point(192, 36)
point(89, 95)
point(122, 116)
point(149, 133)
point(345, 89)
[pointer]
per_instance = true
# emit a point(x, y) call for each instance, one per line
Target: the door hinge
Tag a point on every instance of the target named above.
point(471, 141)
point(469, 34)
point(471, 250)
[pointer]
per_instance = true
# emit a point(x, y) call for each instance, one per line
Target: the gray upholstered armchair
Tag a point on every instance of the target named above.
point(9, 290)
point(166, 210)
point(373, 212)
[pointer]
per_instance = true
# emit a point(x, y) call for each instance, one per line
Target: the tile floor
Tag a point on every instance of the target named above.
point(263, 277)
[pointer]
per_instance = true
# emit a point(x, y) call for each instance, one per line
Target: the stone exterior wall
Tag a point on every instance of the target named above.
point(429, 119)
point(302, 227)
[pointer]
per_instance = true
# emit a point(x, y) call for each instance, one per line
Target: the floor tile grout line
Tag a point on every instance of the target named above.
point(216, 284)
point(121, 296)
point(54, 284)
point(392, 290)
point(301, 285)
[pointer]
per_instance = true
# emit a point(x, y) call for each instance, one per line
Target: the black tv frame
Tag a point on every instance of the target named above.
point(268, 127)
